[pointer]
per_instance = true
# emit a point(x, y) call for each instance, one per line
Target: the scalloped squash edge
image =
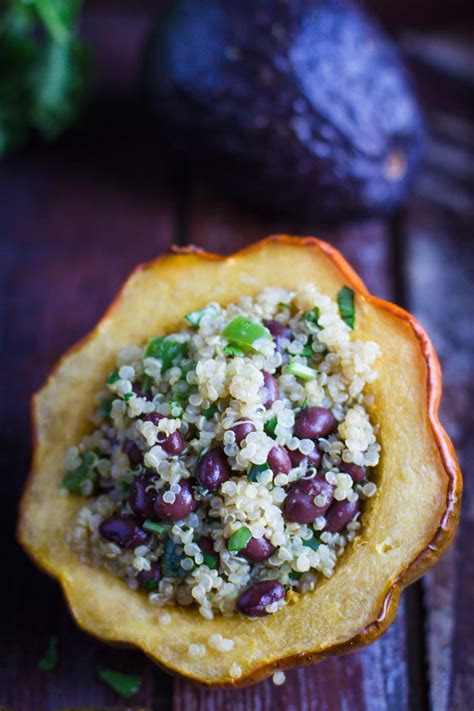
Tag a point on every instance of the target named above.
point(406, 526)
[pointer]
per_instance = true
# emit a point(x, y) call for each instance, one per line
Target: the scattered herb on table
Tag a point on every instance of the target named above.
point(125, 685)
point(50, 660)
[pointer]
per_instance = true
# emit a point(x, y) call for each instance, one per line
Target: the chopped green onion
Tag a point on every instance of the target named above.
point(210, 560)
point(210, 412)
point(74, 480)
point(239, 539)
point(312, 315)
point(234, 351)
point(113, 377)
point(243, 332)
point(255, 471)
point(300, 370)
point(294, 575)
point(154, 527)
point(166, 350)
point(269, 427)
point(175, 405)
point(50, 660)
point(151, 585)
point(125, 685)
point(312, 543)
point(194, 317)
point(345, 300)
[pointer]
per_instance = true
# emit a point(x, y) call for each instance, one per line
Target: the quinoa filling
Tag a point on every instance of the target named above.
point(229, 461)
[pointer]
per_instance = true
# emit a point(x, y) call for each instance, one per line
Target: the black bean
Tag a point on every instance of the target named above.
point(149, 579)
point(123, 530)
point(357, 473)
point(257, 597)
point(258, 549)
point(279, 333)
point(182, 506)
point(241, 429)
point(134, 454)
point(173, 444)
point(339, 515)
point(299, 505)
point(270, 391)
point(279, 460)
point(315, 422)
point(313, 459)
point(213, 469)
point(142, 497)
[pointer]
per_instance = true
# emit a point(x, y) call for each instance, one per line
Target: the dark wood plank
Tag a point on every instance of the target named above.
point(75, 218)
point(377, 678)
point(439, 269)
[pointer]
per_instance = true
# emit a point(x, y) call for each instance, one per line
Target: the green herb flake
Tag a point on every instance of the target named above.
point(243, 332)
point(294, 575)
point(234, 351)
point(300, 370)
point(113, 377)
point(213, 519)
point(239, 539)
point(166, 350)
point(124, 489)
point(151, 585)
point(270, 426)
point(304, 404)
point(312, 316)
point(124, 685)
point(154, 527)
point(50, 660)
point(128, 396)
point(74, 480)
point(210, 560)
point(255, 471)
point(312, 543)
point(195, 317)
point(171, 560)
point(210, 412)
point(345, 300)
point(284, 305)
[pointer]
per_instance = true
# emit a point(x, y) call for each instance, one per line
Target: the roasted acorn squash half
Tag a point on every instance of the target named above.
point(407, 525)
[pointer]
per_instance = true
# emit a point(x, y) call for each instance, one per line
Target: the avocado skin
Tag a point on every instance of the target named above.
point(297, 106)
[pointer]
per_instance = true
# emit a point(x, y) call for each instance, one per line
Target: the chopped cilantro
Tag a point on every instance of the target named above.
point(255, 471)
point(150, 585)
point(345, 300)
point(113, 377)
point(74, 480)
point(128, 396)
point(313, 543)
point(294, 575)
point(210, 412)
point(166, 350)
point(312, 315)
point(176, 405)
point(50, 660)
point(146, 383)
point(210, 560)
point(105, 406)
point(269, 427)
point(125, 685)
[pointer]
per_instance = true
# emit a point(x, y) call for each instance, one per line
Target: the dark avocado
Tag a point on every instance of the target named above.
point(302, 105)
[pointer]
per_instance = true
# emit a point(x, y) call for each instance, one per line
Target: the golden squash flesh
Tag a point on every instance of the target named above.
point(406, 526)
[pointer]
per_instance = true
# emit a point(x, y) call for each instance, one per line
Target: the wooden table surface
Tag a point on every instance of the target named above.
point(75, 218)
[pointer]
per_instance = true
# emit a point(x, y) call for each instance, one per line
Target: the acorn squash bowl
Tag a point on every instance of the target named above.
point(406, 526)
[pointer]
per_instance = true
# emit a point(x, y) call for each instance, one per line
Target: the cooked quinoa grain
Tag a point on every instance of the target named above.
point(230, 460)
